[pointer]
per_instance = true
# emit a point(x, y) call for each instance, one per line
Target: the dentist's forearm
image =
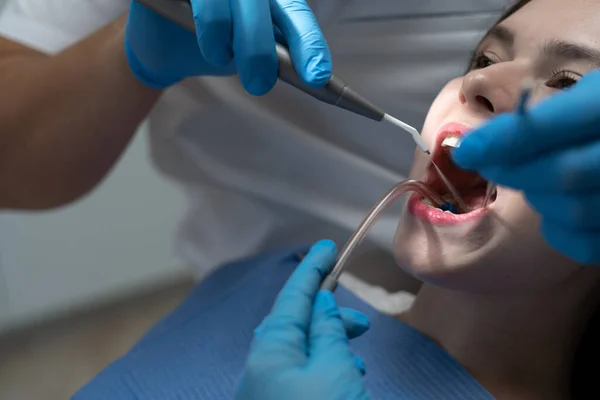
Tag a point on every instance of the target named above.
point(65, 119)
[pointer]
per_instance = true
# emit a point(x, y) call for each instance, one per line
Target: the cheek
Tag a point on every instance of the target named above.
point(519, 258)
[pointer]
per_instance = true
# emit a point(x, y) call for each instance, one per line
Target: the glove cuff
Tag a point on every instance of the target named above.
point(148, 78)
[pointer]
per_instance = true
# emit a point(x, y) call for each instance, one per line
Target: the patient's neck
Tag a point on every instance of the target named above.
point(517, 346)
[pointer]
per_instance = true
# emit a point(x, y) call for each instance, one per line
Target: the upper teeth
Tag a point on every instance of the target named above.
point(451, 141)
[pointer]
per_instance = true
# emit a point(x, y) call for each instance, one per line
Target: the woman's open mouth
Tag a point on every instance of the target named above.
point(470, 187)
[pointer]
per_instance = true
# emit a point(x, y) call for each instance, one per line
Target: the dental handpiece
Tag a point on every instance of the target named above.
point(335, 92)
point(331, 280)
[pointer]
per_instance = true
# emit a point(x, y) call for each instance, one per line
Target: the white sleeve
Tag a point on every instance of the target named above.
point(52, 25)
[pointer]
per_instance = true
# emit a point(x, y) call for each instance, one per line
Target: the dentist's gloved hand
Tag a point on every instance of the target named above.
point(233, 36)
point(552, 154)
point(301, 350)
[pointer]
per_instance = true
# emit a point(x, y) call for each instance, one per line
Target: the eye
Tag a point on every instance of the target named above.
point(480, 61)
point(562, 80)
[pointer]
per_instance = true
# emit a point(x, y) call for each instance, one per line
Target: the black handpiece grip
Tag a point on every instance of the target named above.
point(335, 92)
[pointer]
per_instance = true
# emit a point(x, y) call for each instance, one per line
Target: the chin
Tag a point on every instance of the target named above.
point(449, 256)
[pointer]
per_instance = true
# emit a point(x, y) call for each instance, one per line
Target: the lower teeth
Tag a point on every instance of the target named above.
point(448, 207)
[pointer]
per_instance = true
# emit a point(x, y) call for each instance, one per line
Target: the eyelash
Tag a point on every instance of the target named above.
point(561, 76)
point(559, 79)
point(476, 57)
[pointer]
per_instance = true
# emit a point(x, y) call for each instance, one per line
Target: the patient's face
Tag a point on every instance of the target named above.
point(499, 248)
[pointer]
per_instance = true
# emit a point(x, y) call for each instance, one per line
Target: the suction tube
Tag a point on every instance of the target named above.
point(331, 280)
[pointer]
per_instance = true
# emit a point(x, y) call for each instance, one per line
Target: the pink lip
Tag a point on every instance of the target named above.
point(436, 216)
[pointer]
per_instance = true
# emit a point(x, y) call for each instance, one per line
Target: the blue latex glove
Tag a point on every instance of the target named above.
point(232, 35)
point(198, 350)
point(552, 154)
point(301, 350)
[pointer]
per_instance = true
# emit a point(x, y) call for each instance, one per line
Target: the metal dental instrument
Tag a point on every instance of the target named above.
point(461, 206)
point(489, 192)
point(331, 280)
point(335, 92)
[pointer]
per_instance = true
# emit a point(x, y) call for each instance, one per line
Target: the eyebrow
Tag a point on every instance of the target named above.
point(557, 49)
point(501, 34)
point(570, 51)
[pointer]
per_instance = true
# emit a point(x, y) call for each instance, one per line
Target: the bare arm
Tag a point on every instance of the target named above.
point(65, 119)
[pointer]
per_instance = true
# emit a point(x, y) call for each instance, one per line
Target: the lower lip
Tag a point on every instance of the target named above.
point(435, 216)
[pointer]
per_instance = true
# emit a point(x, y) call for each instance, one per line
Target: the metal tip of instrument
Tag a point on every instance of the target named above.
point(459, 202)
point(413, 132)
point(488, 194)
point(526, 89)
point(421, 144)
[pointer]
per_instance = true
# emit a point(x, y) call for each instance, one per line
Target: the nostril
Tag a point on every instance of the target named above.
point(485, 102)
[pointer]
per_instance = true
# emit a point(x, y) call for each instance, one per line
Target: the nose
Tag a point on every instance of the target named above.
point(486, 92)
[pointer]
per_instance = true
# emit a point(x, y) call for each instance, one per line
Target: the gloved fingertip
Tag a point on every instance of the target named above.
point(470, 154)
point(356, 322)
point(360, 364)
point(325, 245)
point(259, 85)
point(362, 322)
point(258, 72)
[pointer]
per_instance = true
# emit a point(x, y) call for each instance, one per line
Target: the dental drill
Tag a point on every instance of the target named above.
point(336, 92)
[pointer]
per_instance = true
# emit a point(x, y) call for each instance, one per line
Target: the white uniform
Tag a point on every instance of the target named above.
point(285, 169)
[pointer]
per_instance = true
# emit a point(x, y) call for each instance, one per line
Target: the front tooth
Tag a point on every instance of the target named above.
point(451, 141)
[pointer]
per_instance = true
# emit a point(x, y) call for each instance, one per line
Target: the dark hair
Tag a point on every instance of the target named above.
point(516, 7)
point(584, 374)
